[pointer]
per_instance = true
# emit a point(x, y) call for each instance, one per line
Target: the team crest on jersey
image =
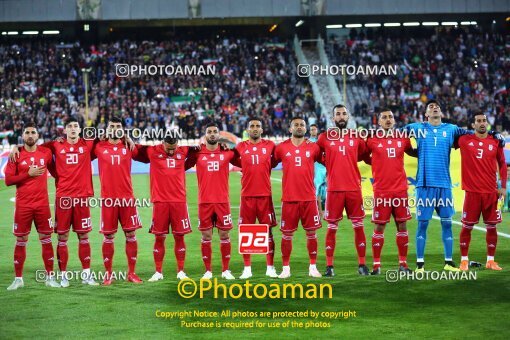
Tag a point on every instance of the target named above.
point(123, 151)
point(212, 155)
point(376, 214)
point(264, 151)
point(254, 148)
point(41, 161)
point(221, 157)
point(297, 151)
point(389, 142)
point(399, 144)
point(32, 159)
point(308, 154)
point(351, 143)
point(179, 156)
point(444, 133)
point(480, 143)
point(71, 149)
point(160, 156)
point(341, 140)
point(80, 149)
point(490, 147)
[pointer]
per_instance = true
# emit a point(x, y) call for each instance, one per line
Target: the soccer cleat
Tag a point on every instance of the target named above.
point(157, 276)
point(492, 265)
point(464, 265)
point(227, 275)
point(51, 282)
point(108, 279)
point(246, 273)
point(64, 283)
point(89, 281)
point(376, 271)
point(313, 272)
point(17, 283)
point(207, 275)
point(451, 267)
point(404, 268)
point(285, 274)
point(132, 277)
point(330, 271)
point(271, 272)
point(180, 275)
point(363, 270)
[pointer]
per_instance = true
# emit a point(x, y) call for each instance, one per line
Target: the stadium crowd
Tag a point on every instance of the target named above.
point(43, 82)
point(464, 69)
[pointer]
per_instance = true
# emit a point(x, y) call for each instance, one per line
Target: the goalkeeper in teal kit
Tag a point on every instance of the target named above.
point(433, 183)
point(320, 174)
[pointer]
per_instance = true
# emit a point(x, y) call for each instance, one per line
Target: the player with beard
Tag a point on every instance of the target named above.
point(212, 165)
point(29, 173)
point(481, 157)
point(254, 156)
point(342, 150)
point(299, 203)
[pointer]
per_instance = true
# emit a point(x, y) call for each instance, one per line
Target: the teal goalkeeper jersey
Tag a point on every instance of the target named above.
point(434, 147)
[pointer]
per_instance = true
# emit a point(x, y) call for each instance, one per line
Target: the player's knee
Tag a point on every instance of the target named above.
point(401, 226)
point(83, 236)
point(206, 235)
point(63, 237)
point(44, 236)
point(380, 227)
point(224, 234)
point(109, 236)
point(22, 238)
point(130, 233)
point(357, 223)
point(310, 233)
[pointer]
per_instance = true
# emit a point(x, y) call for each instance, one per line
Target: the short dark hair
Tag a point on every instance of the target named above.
point(472, 119)
point(255, 118)
point(70, 120)
point(295, 118)
point(115, 119)
point(29, 125)
point(170, 140)
point(432, 101)
point(339, 106)
point(313, 125)
point(384, 109)
point(212, 124)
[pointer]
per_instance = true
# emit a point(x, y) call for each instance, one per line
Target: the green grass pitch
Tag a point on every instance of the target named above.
point(405, 309)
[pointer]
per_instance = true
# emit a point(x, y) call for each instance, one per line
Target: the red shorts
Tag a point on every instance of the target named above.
point(485, 204)
point(257, 208)
point(214, 215)
point(111, 216)
point(387, 204)
point(307, 212)
point(24, 216)
point(76, 214)
point(170, 213)
point(336, 201)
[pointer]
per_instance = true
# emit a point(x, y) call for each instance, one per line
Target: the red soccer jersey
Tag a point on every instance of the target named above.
point(388, 163)
point(212, 173)
point(342, 162)
point(255, 161)
point(298, 170)
point(168, 177)
point(480, 160)
point(73, 168)
point(30, 191)
point(114, 162)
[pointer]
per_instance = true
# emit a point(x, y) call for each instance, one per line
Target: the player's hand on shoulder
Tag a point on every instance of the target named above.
point(14, 154)
point(59, 139)
point(498, 136)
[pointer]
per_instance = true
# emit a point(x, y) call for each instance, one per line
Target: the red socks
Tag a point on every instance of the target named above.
point(270, 254)
point(206, 254)
point(159, 252)
point(330, 243)
point(402, 243)
point(492, 239)
point(47, 253)
point(84, 253)
point(247, 260)
point(311, 245)
point(62, 255)
point(108, 249)
point(359, 240)
point(377, 245)
point(286, 248)
point(20, 254)
point(131, 253)
point(179, 251)
point(465, 239)
point(225, 248)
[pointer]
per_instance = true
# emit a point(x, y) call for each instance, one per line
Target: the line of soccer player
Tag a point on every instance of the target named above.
point(69, 162)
